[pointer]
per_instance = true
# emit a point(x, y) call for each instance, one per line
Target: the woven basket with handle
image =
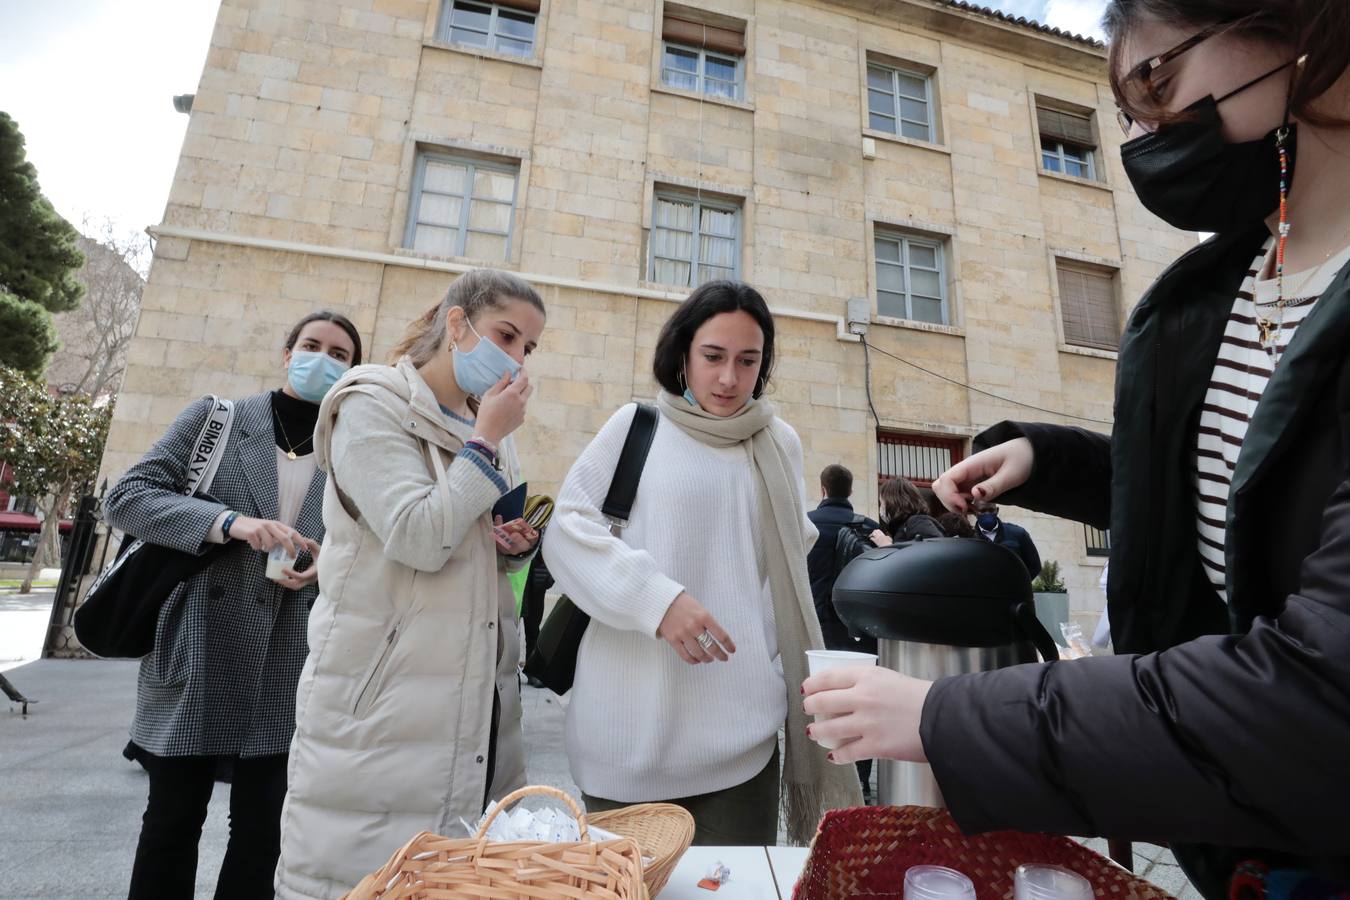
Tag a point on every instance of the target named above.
point(865, 852)
point(430, 866)
point(663, 831)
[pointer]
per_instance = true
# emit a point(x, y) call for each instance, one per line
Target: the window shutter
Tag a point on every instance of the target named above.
point(1058, 125)
point(531, 6)
point(1087, 304)
point(709, 37)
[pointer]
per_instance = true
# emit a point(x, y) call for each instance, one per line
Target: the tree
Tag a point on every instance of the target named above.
point(38, 259)
point(95, 337)
point(54, 445)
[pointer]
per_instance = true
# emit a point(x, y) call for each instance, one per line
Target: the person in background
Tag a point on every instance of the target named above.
point(218, 689)
point(666, 706)
point(1222, 724)
point(954, 524)
point(834, 512)
point(904, 514)
point(1006, 534)
point(408, 708)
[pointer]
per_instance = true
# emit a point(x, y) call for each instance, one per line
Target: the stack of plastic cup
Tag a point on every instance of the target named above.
point(818, 661)
point(1050, 883)
point(937, 883)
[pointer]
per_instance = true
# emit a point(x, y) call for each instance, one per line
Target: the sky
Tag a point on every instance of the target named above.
point(91, 84)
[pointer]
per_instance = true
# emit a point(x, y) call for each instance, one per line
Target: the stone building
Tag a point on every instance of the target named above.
point(954, 169)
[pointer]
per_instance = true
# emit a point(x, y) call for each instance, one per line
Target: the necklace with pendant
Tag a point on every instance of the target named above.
point(290, 448)
point(1271, 330)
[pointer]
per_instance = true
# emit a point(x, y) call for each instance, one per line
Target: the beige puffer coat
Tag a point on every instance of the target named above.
point(413, 628)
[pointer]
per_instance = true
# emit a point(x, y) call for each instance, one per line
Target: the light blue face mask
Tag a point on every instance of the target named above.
point(483, 366)
point(311, 374)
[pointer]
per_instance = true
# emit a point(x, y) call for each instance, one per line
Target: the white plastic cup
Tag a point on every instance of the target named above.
point(937, 883)
point(1037, 882)
point(818, 661)
point(279, 559)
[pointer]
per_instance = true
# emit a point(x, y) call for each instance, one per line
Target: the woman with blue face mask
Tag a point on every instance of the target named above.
point(1222, 725)
point(408, 710)
point(218, 689)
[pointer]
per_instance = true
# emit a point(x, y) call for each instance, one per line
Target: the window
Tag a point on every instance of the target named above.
point(900, 102)
point(506, 26)
point(1087, 304)
point(919, 458)
point(911, 278)
point(1067, 142)
point(700, 56)
point(462, 207)
point(694, 240)
point(1097, 542)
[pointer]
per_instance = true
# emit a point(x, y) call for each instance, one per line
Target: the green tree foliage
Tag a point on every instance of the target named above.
point(53, 445)
point(39, 256)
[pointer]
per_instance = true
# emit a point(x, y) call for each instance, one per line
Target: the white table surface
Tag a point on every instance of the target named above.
point(757, 873)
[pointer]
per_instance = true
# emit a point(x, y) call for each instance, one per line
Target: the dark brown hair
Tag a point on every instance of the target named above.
point(711, 299)
point(837, 481)
point(474, 292)
point(900, 499)
point(1316, 29)
point(338, 319)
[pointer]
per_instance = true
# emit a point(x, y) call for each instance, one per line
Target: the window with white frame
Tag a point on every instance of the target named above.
point(911, 277)
point(694, 240)
point(697, 55)
point(506, 26)
point(900, 101)
point(1068, 145)
point(462, 207)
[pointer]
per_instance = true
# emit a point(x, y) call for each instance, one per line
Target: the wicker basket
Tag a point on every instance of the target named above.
point(663, 831)
point(475, 868)
point(865, 852)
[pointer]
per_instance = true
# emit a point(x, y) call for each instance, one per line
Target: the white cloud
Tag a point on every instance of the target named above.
point(90, 83)
point(1076, 16)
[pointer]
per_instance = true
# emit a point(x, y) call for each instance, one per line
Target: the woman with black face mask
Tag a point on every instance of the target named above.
point(1224, 725)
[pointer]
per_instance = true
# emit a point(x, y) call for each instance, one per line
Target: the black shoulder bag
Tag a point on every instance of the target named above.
point(554, 660)
point(118, 616)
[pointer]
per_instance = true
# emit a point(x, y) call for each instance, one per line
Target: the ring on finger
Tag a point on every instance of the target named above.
point(705, 640)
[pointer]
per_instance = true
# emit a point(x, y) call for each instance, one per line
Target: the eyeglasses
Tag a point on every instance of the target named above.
point(1138, 82)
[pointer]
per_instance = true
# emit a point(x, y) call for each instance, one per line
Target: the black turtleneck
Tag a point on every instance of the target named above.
point(293, 422)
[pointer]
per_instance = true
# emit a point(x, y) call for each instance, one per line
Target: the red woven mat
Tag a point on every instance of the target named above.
point(864, 853)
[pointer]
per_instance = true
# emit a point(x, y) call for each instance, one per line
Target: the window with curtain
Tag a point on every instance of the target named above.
point(1087, 303)
point(462, 207)
point(694, 240)
point(506, 26)
point(696, 56)
point(1068, 144)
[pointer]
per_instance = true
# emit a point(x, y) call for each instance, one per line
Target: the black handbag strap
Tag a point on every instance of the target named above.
point(618, 504)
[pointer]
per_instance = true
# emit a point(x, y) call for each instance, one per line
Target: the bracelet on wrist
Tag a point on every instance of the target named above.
point(487, 445)
point(226, 525)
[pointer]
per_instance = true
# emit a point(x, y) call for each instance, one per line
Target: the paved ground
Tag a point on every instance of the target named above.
point(70, 805)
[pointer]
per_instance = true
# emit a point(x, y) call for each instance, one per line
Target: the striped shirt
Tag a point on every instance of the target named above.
point(1241, 372)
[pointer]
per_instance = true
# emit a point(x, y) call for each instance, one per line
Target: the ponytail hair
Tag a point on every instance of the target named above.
point(474, 292)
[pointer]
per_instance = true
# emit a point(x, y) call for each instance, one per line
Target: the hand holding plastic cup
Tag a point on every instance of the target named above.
point(1033, 882)
point(937, 883)
point(818, 661)
point(282, 557)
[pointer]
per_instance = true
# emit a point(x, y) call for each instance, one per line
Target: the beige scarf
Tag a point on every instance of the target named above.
point(811, 784)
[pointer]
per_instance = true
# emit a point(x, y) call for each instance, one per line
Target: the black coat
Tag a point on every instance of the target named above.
point(832, 514)
point(1234, 742)
point(1018, 540)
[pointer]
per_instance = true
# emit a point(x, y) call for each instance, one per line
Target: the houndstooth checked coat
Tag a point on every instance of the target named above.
point(229, 644)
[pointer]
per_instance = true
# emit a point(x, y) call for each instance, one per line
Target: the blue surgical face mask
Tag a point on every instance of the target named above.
point(987, 521)
point(311, 374)
point(483, 366)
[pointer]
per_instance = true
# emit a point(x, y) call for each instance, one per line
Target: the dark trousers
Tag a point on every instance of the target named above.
point(532, 603)
point(180, 789)
point(742, 816)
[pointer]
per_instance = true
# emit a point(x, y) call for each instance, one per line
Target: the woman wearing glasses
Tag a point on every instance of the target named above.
point(1225, 486)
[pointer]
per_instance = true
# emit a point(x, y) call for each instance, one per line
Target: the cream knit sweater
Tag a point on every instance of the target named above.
point(642, 724)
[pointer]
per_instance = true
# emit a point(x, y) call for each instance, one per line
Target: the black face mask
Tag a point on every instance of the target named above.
point(1186, 175)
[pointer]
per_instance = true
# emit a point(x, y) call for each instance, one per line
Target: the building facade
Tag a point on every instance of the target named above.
point(956, 171)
